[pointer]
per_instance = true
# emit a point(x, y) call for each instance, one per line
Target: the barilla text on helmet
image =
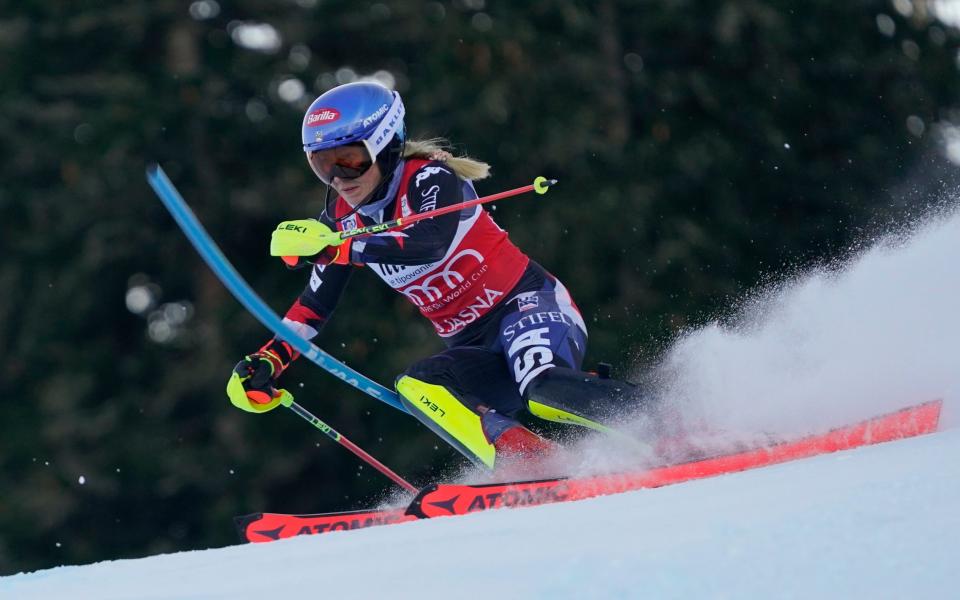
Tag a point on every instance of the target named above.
point(321, 116)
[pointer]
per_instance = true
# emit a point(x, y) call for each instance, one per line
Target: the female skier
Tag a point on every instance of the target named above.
point(515, 339)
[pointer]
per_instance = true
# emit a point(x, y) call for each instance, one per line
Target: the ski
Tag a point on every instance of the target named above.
point(443, 500)
point(446, 500)
point(269, 527)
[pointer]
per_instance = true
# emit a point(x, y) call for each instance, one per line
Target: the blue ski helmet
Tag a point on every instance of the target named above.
point(361, 112)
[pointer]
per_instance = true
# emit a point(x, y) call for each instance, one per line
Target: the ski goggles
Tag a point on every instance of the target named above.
point(345, 162)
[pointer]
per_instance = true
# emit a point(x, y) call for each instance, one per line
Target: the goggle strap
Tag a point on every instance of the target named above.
point(386, 129)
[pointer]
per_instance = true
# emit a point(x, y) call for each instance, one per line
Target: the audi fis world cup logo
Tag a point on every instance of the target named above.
point(429, 290)
point(322, 116)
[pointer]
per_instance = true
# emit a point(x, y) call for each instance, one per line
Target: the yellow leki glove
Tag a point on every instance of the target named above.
point(239, 398)
point(251, 386)
point(303, 237)
point(308, 241)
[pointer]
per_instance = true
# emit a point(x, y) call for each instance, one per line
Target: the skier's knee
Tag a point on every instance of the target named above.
point(433, 369)
point(477, 377)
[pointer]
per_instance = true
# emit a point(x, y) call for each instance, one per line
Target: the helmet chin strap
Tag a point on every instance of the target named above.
point(328, 209)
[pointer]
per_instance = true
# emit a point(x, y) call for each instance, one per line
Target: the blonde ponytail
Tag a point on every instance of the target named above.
point(464, 166)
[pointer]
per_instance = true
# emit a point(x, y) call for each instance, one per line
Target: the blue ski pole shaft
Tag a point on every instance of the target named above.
point(211, 253)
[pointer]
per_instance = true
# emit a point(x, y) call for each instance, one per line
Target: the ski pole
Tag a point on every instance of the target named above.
point(287, 400)
point(540, 185)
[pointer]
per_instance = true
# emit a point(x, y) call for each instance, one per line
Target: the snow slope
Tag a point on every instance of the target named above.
point(879, 522)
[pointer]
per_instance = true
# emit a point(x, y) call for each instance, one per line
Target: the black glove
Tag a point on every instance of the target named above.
point(257, 377)
point(256, 373)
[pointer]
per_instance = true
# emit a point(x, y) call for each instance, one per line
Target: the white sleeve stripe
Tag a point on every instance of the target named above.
point(301, 329)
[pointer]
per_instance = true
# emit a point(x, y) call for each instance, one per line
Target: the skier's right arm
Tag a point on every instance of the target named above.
point(253, 384)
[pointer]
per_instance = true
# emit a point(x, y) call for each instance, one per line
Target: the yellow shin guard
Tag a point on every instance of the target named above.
point(446, 416)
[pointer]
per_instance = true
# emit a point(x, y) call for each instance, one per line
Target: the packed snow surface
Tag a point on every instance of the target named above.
point(878, 522)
